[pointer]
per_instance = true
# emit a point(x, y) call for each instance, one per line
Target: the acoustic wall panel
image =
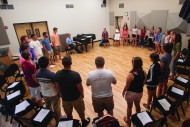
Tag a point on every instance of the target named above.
point(159, 19)
point(174, 22)
point(132, 19)
point(4, 40)
point(111, 18)
point(143, 19)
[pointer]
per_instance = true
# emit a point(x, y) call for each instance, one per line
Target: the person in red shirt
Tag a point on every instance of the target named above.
point(29, 71)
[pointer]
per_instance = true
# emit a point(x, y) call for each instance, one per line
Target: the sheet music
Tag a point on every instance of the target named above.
point(88, 36)
point(178, 91)
point(144, 118)
point(13, 85)
point(68, 123)
point(165, 104)
point(10, 96)
point(51, 66)
point(83, 39)
point(41, 115)
point(21, 107)
point(180, 60)
point(182, 79)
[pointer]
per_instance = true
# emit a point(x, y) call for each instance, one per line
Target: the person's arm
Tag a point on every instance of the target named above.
point(53, 41)
point(161, 65)
point(88, 80)
point(114, 81)
point(145, 75)
point(128, 82)
point(80, 88)
point(57, 87)
point(35, 79)
point(151, 71)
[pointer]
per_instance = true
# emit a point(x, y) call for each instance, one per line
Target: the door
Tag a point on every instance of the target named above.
point(119, 21)
point(29, 28)
point(39, 28)
point(23, 29)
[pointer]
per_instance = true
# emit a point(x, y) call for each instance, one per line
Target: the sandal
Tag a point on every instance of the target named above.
point(126, 120)
point(146, 106)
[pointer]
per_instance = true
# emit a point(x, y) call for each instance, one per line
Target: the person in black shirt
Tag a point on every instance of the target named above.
point(133, 89)
point(152, 79)
point(69, 86)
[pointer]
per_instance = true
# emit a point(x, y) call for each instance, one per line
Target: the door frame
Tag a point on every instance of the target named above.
point(14, 24)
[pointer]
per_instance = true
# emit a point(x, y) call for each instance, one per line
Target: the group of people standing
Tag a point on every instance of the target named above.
point(67, 84)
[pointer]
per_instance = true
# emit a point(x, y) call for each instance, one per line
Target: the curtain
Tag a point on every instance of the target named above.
point(185, 11)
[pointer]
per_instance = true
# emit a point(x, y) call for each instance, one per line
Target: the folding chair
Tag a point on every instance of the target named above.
point(138, 122)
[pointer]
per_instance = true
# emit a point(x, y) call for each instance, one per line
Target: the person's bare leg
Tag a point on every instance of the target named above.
point(60, 56)
point(159, 89)
point(164, 87)
point(129, 109)
point(137, 105)
point(39, 102)
point(150, 95)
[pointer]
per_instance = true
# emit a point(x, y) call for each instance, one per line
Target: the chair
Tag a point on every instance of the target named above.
point(155, 123)
point(48, 116)
point(13, 73)
point(69, 50)
point(172, 108)
point(178, 95)
point(76, 122)
point(182, 82)
point(129, 42)
point(2, 83)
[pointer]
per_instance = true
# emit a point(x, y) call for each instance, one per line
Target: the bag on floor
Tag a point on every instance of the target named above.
point(107, 121)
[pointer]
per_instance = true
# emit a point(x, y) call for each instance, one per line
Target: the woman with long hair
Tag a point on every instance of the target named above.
point(134, 36)
point(143, 35)
point(125, 35)
point(133, 89)
point(117, 36)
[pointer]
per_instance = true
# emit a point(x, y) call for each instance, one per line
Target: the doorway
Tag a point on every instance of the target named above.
point(31, 28)
point(119, 21)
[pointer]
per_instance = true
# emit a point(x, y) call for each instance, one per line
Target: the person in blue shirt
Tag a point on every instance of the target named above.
point(72, 45)
point(48, 52)
point(158, 39)
point(25, 41)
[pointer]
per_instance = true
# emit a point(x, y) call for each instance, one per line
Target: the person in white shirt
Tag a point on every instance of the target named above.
point(36, 47)
point(100, 81)
point(117, 36)
point(134, 36)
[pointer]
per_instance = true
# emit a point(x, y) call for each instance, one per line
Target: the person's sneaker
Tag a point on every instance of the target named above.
point(85, 122)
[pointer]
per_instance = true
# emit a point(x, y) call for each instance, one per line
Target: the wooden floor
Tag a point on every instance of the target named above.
point(117, 59)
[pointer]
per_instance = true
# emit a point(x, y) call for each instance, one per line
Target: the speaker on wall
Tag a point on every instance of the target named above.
point(4, 1)
point(104, 1)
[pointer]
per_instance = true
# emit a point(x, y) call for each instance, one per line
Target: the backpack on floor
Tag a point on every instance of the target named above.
point(107, 121)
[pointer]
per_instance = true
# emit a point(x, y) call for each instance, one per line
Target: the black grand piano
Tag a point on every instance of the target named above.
point(85, 39)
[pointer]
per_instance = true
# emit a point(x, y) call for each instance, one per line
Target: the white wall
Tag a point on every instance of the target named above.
point(144, 6)
point(86, 17)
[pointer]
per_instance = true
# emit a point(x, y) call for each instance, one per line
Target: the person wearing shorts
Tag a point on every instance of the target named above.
point(100, 81)
point(69, 86)
point(134, 36)
point(48, 52)
point(165, 70)
point(133, 89)
point(56, 43)
point(29, 71)
point(152, 79)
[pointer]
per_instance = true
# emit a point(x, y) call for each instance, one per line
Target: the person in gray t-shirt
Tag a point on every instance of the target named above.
point(100, 81)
